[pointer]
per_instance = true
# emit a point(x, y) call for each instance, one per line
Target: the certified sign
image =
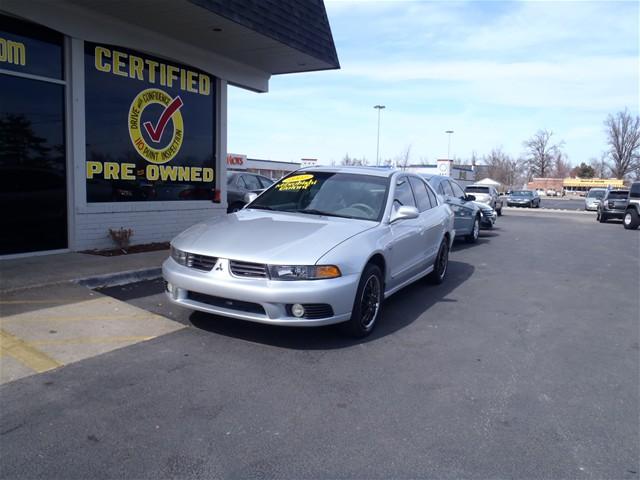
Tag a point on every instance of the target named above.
point(152, 150)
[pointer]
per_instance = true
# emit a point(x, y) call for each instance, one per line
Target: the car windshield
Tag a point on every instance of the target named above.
point(327, 193)
point(618, 194)
point(473, 189)
point(596, 194)
point(522, 193)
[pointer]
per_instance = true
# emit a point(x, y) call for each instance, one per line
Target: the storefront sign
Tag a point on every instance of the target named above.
point(236, 162)
point(150, 128)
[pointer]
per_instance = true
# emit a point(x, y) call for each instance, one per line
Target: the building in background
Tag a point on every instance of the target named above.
point(463, 174)
point(573, 185)
point(114, 114)
point(269, 168)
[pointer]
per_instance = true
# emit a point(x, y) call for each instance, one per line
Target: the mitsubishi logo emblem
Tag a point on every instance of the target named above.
point(219, 267)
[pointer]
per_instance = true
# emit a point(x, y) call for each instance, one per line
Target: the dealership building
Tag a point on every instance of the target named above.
point(114, 113)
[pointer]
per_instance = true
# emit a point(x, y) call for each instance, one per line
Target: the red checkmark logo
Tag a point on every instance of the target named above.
point(155, 132)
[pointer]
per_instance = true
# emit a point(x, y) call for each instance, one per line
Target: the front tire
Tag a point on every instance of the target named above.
point(631, 220)
point(499, 212)
point(441, 264)
point(367, 304)
point(602, 218)
point(475, 231)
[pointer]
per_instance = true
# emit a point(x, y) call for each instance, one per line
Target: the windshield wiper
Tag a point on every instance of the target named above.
point(313, 211)
point(260, 207)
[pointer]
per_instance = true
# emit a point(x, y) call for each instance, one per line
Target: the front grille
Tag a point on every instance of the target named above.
point(247, 269)
point(200, 262)
point(314, 310)
point(228, 303)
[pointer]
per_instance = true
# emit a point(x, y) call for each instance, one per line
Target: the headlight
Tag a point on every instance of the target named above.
point(179, 256)
point(303, 272)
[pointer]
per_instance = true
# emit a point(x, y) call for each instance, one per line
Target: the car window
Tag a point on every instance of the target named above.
point(457, 190)
point(635, 190)
point(327, 193)
point(420, 192)
point(231, 178)
point(266, 182)
point(447, 188)
point(403, 195)
point(432, 196)
point(618, 194)
point(251, 182)
point(476, 189)
point(596, 194)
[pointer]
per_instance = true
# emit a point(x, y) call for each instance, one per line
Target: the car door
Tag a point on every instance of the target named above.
point(432, 220)
point(407, 249)
point(462, 222)
point(467, 207)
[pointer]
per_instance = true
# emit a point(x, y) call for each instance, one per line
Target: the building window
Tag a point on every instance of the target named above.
point(32, 140)
point(150, 128)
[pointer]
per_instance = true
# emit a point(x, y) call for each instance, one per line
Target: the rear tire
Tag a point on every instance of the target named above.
point(499, 212)
point(631, 220)
point(602, 218)
point(441, 264)
point(367, 304)
point(475, 231)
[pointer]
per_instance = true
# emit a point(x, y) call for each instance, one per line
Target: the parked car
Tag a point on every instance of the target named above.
point(467, 214)
point(241, 183)
point(540, 191)
point(488, 215)
point(321, 246)
point(524, 198)
point(593, 198)
point(551, 192)
point(486, 194)
point(613, 205)
point(631, 219)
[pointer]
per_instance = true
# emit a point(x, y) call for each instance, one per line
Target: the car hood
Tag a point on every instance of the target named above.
point(262, 236)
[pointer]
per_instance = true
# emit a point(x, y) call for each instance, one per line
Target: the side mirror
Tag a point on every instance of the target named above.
point(469, 198)
point(250, 197)
point(403, 213)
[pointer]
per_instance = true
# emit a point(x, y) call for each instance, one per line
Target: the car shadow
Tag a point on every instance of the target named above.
point(400, 310)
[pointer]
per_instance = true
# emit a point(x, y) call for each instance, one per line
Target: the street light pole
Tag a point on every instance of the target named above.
point(449, 146)
point(378, 107)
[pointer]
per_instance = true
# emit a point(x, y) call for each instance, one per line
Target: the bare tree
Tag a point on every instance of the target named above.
point(502, 168)
point(541, 153)
point(623, 138)
point(600, 166)
point(561, 167)
point(347, 160)
point(402, 160)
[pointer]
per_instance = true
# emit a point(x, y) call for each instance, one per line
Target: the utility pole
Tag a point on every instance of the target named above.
point(449, 147)
point(378, 107)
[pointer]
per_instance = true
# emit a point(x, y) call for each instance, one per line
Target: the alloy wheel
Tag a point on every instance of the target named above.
point(370, 302)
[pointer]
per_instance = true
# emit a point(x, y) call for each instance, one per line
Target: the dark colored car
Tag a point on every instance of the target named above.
point(241, 183)
point(631, 219)
point(613, 205)
point(468, 215)
point(523, 198)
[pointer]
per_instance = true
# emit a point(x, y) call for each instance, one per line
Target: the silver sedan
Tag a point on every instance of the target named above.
point(321, 246)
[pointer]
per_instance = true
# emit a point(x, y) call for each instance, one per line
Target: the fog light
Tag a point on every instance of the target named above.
point(297, 310)
point(169, 288)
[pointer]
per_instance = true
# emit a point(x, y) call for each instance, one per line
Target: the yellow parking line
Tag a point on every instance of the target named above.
point(85, 340)
point(25, 353)
point(80, 318)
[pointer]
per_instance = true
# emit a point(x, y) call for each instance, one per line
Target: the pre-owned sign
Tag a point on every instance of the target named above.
point(150, 128)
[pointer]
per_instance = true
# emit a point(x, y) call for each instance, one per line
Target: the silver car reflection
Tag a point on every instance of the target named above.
point(320, 246)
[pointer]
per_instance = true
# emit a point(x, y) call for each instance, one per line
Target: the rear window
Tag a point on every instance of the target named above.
point(522, 193)
point(473, 189)
point(596, 194)
point(618, 194)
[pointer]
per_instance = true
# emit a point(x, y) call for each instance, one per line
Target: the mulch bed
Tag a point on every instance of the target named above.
point(146, 247)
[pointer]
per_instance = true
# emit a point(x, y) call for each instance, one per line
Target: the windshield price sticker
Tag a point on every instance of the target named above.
point(297, 182)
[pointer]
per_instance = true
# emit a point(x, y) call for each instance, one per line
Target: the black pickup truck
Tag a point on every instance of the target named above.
point(631, 219)
point(612, 205)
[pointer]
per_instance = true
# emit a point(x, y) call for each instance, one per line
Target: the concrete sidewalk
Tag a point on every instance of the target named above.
point(50, 317)
point(41, 270)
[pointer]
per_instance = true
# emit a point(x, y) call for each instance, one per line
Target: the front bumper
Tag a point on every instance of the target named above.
point(517, 203)
point(273, 296)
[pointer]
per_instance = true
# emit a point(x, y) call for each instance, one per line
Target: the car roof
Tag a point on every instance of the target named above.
point(357, 170)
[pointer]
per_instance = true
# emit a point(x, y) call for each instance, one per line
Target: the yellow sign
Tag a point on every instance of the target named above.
point(131, 66)
point(297, 182)
point(592, 182)
point(171, 113)
point(13, 52)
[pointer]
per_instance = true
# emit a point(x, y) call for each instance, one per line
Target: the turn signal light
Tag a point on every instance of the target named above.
point(327, 271)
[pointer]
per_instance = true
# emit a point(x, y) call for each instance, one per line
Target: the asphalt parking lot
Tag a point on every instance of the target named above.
point(523, 364)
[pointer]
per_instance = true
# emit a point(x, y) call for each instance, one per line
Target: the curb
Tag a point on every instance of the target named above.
point(120, 278)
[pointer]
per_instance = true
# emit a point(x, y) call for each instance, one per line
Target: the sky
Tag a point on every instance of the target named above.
point(493, 72)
